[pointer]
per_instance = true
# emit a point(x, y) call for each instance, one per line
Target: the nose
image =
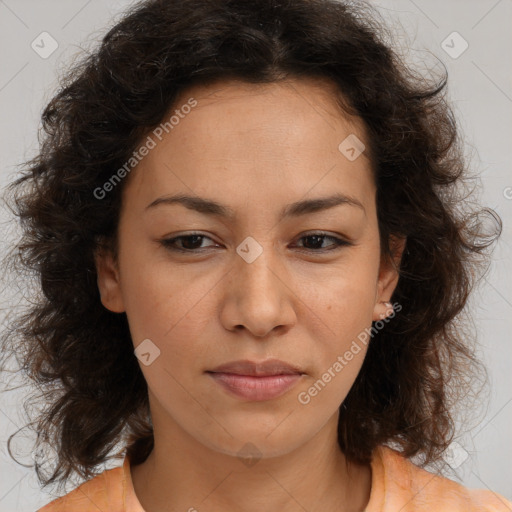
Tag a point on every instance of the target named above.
point(259, 296)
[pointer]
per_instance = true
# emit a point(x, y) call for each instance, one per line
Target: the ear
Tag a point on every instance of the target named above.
point(108, 280)
point(388, 279)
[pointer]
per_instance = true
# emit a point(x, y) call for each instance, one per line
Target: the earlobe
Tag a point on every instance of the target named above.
point(108, 281)
point(382, 310)
point(388, 279)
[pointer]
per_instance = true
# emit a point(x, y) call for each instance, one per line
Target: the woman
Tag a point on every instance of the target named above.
point(246, 226)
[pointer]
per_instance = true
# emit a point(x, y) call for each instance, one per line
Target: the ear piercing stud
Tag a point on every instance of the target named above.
point(389, 308)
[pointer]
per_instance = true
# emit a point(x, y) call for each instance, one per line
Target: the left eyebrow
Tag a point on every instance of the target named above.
point(299, 208)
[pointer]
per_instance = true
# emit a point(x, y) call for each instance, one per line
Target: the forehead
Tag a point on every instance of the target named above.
point(255, 138)
point(310, 100)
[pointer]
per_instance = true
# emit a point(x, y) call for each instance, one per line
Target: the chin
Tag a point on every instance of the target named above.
point(251, 443)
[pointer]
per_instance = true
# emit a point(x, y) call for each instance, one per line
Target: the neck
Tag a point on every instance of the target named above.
point(182, 474)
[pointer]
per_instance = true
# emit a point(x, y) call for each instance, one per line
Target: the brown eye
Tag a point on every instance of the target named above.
point(189, 243)
point(192, 243)
point(315, 241)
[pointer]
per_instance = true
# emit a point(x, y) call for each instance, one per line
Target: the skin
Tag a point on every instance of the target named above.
point(255, 149)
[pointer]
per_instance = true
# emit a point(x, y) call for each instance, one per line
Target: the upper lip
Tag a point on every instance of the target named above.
point(268, 367)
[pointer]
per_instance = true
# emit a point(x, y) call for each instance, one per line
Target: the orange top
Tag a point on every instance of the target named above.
point(397, 485)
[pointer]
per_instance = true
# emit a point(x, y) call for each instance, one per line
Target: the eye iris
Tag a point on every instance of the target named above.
point(186, 239)
point(316, 238)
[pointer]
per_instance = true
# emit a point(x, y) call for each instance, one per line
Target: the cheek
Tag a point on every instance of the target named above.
point(340, 313)
point(163, 304)
point(345, 294)
point(352, 305)
point(170, 305)
point(338, 349)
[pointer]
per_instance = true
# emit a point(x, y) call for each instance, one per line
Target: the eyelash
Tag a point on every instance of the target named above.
point(168, 243)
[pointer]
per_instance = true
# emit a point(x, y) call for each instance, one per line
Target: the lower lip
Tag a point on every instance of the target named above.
point(256, 388)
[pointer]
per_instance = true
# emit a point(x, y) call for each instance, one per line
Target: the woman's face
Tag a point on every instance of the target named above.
point(255, 284)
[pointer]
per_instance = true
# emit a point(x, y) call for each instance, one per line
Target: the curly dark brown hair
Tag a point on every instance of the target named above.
point(80, 355)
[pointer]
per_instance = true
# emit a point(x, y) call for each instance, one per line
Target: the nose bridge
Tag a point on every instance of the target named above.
point(257, 293)
point(256, 266)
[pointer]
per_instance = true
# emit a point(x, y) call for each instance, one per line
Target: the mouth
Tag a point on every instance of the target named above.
point(248, 380)
point(270, 367)
point(249, 387)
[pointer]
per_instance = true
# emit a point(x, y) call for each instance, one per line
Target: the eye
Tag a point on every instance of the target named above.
point(192, 243)
point(189, 243)
point(316, 240)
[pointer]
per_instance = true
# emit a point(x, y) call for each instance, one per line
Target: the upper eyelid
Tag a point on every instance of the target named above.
point(307, 233)
point(340, 238)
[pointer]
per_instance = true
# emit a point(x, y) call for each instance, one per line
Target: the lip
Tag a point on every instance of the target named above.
point(256, 389)
point(254, 381)
point(258, 369)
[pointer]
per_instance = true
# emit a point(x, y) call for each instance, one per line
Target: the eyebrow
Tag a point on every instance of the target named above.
point(304, 207)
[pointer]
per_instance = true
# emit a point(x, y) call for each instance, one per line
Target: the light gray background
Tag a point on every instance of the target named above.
point(480, 89)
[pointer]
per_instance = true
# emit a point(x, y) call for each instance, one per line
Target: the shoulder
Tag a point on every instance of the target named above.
point(103, 492)
point(409, 488)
